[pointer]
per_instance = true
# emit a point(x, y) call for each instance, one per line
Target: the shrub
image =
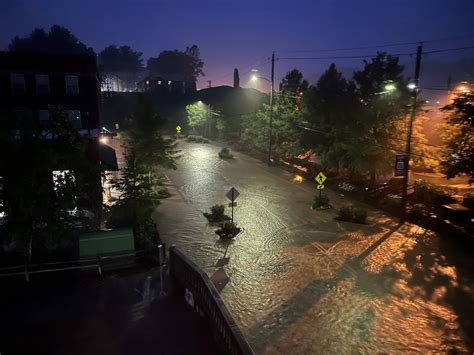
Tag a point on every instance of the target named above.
point(468, 201)
point(432, 195)
point(120, 215)
point(228, 230)
point(322, 202)
point(217, 214)
point(417, 211)
point(346, 213)
point(360, 215)
point(225, 153)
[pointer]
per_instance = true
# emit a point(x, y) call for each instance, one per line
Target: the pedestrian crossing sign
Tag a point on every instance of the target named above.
point(320, 178)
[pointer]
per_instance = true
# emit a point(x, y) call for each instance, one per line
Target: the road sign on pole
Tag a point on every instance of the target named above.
point(320, 187)
point(232, 195)
point(320, 178)
point(178, 129)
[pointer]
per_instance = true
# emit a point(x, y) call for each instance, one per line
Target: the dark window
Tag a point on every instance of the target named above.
point(18, 83)
point(72, 85)
point(24, 119)
point(42, 83)
point(43, 116)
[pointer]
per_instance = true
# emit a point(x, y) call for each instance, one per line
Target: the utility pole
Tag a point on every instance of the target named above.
point(409, 134)
point(209, 82)
point(271, 111)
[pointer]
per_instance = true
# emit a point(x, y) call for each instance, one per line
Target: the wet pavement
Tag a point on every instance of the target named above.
point(298, 281)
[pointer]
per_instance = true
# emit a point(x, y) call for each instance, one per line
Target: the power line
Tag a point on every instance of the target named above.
point(372, 55)
point(377, 46)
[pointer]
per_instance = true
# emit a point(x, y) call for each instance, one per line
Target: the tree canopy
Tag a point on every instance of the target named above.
point(120, 59)
point(187, 64)
point(459, 137)
point(59, 40)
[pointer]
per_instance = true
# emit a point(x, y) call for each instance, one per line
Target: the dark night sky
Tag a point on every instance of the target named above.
point(243, 33)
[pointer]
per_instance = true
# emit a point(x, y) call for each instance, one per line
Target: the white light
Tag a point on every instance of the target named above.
point(147, 82)
point(411, 86)
point(437, 102)
point(254, 78)
point(103, 139)
point(427, 101)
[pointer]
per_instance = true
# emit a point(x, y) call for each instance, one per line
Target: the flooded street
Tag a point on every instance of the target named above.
point(300, 282)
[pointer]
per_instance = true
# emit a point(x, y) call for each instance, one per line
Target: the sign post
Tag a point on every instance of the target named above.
point(320, 179)
point(178, 130)
point(232, 195)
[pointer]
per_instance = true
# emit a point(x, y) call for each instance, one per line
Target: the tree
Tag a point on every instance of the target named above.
point(197, 116)
point(146, 150)
point(58, 40)
point(120, 59)
point(286, 121)
point(459, 137)
point(186, 65)
point(39, 204)
point(293, 82)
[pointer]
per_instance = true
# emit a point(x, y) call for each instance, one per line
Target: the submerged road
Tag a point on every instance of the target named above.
point(298, 281)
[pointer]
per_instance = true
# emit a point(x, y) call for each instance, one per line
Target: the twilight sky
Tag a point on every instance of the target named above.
point(243, 33)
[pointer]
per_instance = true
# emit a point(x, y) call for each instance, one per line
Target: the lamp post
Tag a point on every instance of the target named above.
point(272, 87)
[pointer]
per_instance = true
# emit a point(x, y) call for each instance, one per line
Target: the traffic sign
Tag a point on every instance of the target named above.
point(232, 194)
point(320, 187)
point(178, 129)
point(232, 204)
point(320, 178)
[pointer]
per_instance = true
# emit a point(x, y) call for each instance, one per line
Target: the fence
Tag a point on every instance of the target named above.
point(207, 300)
point(109, 262)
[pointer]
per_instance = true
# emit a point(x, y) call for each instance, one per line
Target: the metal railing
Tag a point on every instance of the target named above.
point(107, 261)
point(208, 302)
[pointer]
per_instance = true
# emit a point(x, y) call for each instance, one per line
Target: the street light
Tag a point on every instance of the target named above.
point(255, 78)
point(390, 87)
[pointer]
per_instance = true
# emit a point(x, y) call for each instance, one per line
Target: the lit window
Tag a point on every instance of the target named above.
point(75, 118)
point(159, 82)
point(72, 85)
point(18, 82)
point(42, 83)
point(43, 116)
point(61, 178)
point(169, 82)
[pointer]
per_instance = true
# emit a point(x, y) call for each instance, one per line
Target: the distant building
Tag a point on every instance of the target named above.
point(166, 84)
point(31, 83)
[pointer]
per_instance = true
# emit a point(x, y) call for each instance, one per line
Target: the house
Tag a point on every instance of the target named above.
point(166, 83)
point(30, 84)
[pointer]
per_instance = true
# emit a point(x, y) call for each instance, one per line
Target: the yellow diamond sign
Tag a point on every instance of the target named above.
point(178, 129)
point(320, 178)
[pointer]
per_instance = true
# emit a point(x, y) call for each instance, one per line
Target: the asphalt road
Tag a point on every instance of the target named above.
point(299, 281)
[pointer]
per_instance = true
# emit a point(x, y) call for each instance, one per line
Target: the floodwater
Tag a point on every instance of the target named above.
point(298, 281)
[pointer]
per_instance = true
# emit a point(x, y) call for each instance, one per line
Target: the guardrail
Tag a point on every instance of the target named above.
point(207, 300)
point(110, 262)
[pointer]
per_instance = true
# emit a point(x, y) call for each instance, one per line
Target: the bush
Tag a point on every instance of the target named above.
point(360, 215)
point(228, 230)
point(225, 154)
point(417, 211)
point(432, 195)
point(346, 213)
point(120, 215)
point(217, 214)
point(321, 203)
point(197, 139)
point(468, 201)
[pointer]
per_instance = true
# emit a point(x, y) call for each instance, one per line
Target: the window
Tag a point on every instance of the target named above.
point(18, 83)
point(24, 119)
point(72, 85)
point(42, 83)
point(75, 117)
point(43, 116)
